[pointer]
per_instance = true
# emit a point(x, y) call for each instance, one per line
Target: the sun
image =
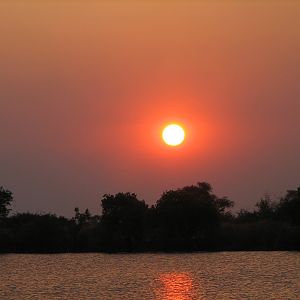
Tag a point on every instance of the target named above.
point(173, 135)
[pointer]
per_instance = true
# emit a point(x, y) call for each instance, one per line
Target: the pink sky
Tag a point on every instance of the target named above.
point(86, 87)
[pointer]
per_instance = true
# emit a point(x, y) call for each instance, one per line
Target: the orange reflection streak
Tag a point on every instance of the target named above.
point(175, 286)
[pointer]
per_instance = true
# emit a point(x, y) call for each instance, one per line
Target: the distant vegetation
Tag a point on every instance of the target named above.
point(191, 218)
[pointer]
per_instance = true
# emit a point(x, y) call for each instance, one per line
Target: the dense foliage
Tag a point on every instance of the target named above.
point(191, 218)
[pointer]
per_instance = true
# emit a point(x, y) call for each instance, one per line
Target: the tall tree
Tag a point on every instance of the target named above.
point(122, 222)
point(6, 197)
point(190, 215)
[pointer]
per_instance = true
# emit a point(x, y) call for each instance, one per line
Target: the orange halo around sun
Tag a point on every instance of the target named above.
point(173, 135)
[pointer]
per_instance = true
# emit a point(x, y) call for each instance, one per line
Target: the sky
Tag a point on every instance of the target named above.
point(87, 86)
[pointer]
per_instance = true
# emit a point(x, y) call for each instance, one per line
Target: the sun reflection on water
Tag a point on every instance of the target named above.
point(175, 286)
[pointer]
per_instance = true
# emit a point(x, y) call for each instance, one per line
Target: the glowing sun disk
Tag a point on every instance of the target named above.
point(173, 135)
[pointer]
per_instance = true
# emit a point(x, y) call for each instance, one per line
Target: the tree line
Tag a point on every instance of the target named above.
point(191, 218)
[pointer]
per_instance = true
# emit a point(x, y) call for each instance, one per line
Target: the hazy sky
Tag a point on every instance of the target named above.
point(86, 87)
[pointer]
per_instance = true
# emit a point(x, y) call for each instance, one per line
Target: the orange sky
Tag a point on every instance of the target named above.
point(86, 87)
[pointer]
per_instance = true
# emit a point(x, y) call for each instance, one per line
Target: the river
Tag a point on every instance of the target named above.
point(223, 275)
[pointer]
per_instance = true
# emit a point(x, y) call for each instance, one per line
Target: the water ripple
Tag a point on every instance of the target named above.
point(226, 275)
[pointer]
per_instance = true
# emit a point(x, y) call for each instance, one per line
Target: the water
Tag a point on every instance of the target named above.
point(235, 275)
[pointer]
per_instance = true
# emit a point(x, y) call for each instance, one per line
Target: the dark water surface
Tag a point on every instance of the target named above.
point(225, 275)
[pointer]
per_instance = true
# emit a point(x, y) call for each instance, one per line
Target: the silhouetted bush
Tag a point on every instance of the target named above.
point(41, 233)
point(260, 235)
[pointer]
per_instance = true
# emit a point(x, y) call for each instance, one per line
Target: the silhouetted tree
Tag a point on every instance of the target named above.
point(82, 218)
point(87, 231)
point(223, 204)
point(188, 217)
point(265, 207)
point(5, 201)
point(122, 221)
point(289, 207)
